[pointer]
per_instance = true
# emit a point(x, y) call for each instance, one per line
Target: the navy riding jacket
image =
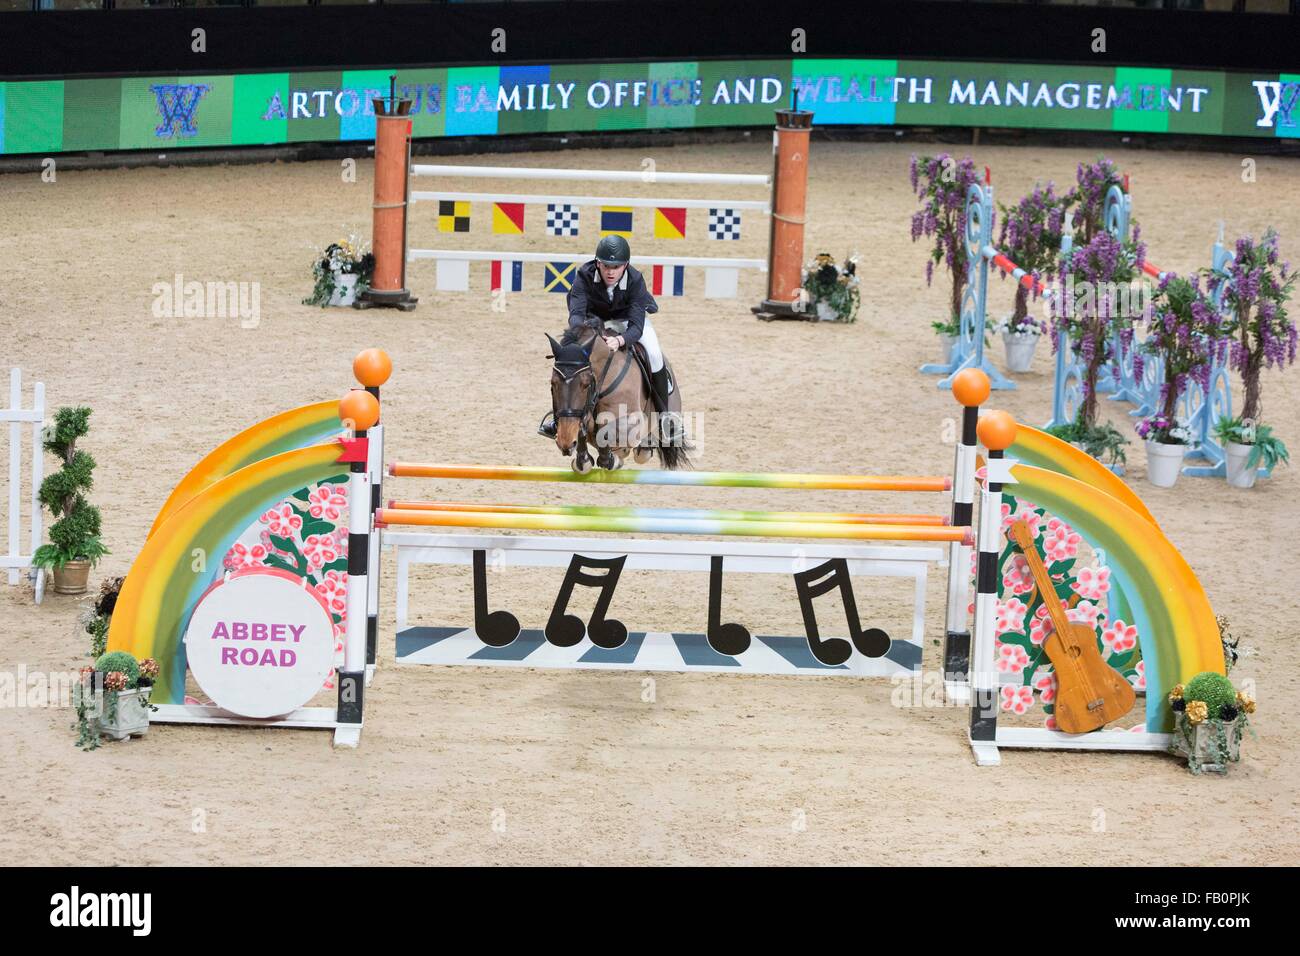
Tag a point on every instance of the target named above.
point(630, 303)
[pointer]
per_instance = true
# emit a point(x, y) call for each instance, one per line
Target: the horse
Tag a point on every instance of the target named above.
point(601, 397)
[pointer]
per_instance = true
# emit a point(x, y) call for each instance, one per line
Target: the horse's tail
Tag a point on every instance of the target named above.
point(673, 454)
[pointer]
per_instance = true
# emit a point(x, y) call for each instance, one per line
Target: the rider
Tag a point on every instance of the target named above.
point(609, 288)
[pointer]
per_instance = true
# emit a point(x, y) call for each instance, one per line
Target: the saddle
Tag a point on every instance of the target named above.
point(643, 362)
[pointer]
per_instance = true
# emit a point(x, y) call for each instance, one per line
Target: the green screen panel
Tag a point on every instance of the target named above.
point(34, 117)
point(742, 93)
point(259, 116)
point(91, 113)
point(311, 106)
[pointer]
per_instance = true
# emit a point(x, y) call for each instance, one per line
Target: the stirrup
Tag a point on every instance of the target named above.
point(548, 427)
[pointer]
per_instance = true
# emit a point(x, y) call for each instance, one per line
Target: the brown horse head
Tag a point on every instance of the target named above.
point(573, 390)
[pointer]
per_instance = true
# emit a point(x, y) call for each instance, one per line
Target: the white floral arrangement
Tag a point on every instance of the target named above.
point(351, 256)
point(833, 290)
point(1027, 327)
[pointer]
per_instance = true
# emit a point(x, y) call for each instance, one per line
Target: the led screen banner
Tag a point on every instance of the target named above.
point(259, 109)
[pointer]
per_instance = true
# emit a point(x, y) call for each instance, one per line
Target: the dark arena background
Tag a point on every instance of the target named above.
point(953, 305)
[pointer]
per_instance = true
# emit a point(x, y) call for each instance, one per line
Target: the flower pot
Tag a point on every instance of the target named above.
point(131, 718)
point(1020, 350)
point(946, 345)
point(72, 577)
point(1164, 463)
point(1239, 476)
point(1210, 745)
point(825, 313)
point(345, 289)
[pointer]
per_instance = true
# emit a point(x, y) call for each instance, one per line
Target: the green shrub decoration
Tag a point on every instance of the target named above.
point(119, 661)
point(1214, 689)
point(74, 535)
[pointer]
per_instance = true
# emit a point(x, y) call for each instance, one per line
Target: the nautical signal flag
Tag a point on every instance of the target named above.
point(558, 276)
point(724, 224)
point(453, 215)
point(508, 218)
point(507, 275)
point(670, 222)
point(561, 219)
point(616, 221)
point(667, 280)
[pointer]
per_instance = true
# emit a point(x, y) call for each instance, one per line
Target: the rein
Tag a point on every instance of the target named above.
point(594, 392)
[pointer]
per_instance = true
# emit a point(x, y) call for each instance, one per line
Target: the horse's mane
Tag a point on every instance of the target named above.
point(577, 334)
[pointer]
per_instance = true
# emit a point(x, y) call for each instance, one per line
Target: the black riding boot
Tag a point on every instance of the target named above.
point(659, 380)
point(670, 425)
point(548, 427)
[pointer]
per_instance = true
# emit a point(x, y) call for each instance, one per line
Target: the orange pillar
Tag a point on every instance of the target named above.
point(789, 200)
point(392, 197)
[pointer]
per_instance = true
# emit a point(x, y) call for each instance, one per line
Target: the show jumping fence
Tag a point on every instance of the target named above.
point(563, 218)
point(784, 206)
point(223, 500)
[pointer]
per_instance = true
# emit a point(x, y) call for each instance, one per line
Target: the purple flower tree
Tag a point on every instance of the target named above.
point(1031, 238)
point(940, 183)
point(1103, 272)
point(1186, 332)
point(1089, 198)
point(1264, 335)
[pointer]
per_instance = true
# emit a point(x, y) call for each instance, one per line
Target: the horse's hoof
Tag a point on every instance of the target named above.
point(581, 465)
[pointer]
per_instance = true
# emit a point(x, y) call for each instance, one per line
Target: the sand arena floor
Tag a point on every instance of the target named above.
point(475, 765)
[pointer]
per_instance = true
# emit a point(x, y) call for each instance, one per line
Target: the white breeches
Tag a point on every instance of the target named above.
point(648, 339)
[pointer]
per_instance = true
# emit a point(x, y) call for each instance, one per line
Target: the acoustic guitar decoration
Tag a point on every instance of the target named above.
point(1090, 693)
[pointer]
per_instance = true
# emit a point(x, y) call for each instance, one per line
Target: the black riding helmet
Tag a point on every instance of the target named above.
point(613, 251)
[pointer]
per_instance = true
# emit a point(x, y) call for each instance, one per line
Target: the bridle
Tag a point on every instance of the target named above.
point(570, 370)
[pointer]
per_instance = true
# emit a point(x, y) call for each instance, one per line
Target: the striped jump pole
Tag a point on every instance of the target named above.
point(996, 431)
point(711, 479)
point(971, 389)
point(359, 411)
point(372, 369)
point(817, 517)
point(387, 517)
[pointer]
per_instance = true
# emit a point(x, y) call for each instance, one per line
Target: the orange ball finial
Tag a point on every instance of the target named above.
point(359, 410)
point(971, 387)
point(372, 367)
point(996, 430)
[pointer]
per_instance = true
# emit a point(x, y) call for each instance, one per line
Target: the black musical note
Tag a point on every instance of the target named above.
point(498, 628)
point(566, 630)
point(730, 639)
point(872, 642)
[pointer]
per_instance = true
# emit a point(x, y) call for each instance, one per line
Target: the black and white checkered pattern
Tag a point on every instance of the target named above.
point(724, 224)
point(561, 219)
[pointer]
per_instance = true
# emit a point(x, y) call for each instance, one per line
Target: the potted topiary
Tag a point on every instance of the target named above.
point(1209, 719)
point(74, 536)
point(1247, 448)
point(112, 699)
